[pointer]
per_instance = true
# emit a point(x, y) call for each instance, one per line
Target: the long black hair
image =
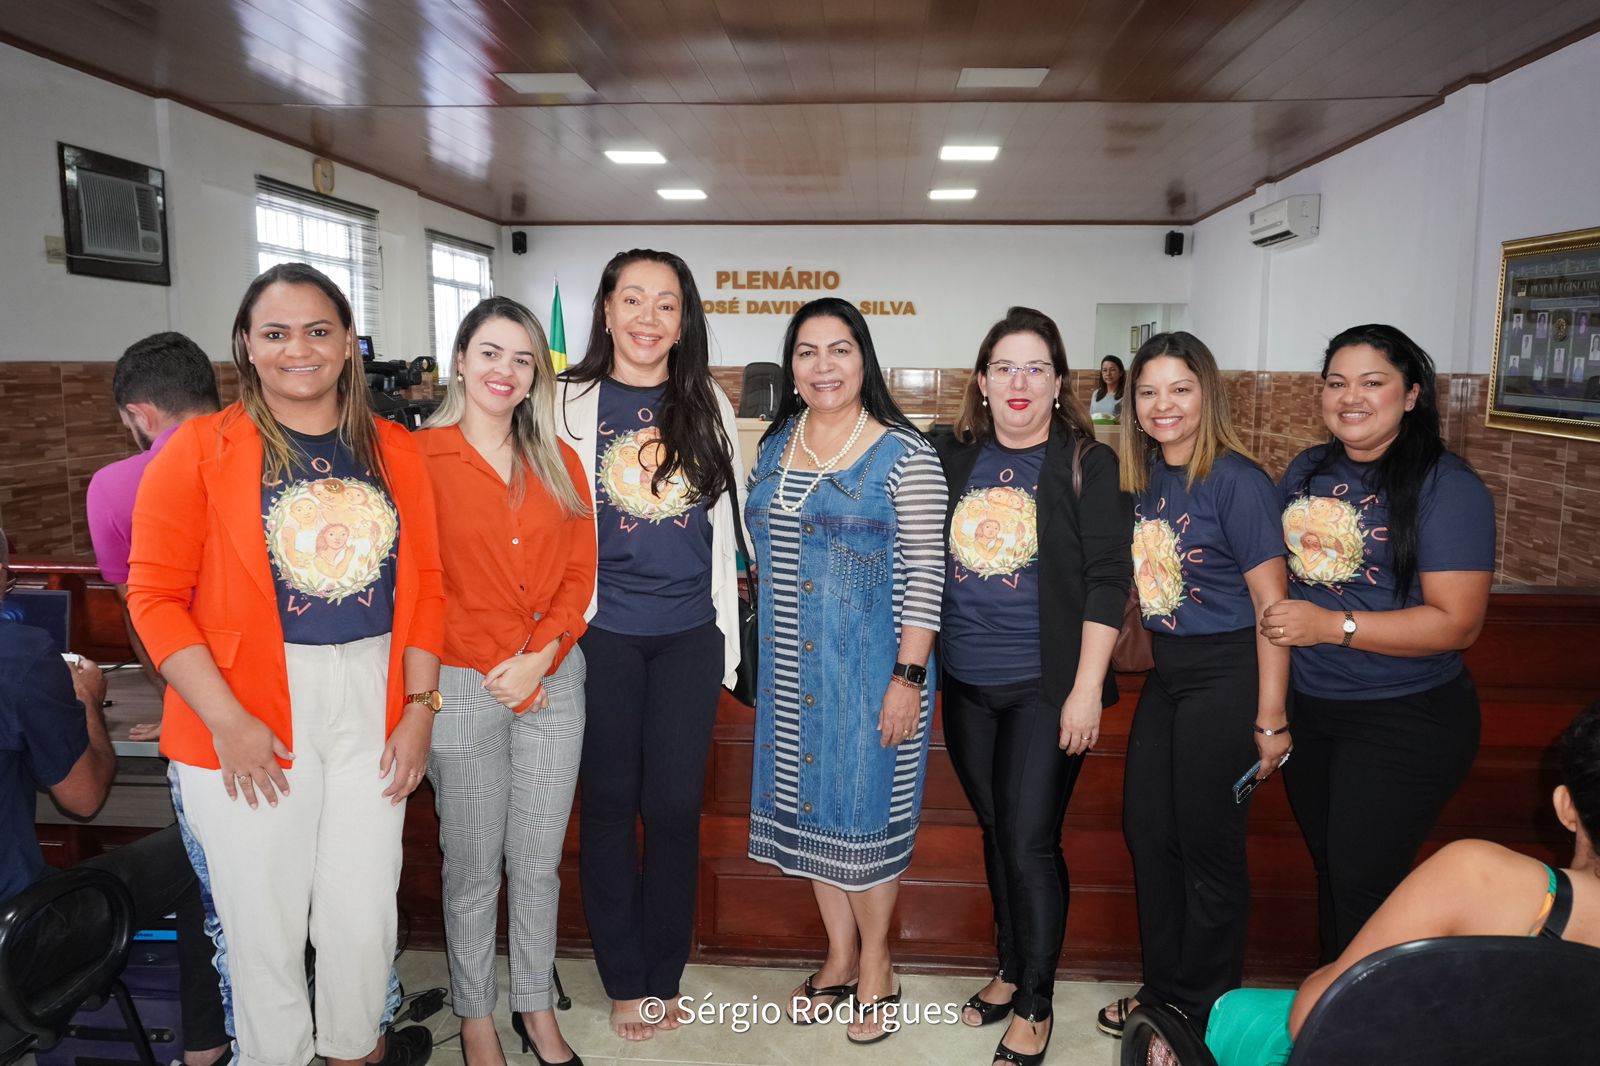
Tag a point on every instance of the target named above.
point(1399, 474)
point(1580, 767)
point(1122, 377)
point(875, 396)
point(692, 433)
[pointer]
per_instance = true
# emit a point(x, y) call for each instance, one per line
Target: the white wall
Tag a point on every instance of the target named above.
point(1113, 321)
point(960, 279)
point(1412, 222)
point(211, 168)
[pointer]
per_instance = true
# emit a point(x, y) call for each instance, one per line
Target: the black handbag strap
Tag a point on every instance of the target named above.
point(744, 547)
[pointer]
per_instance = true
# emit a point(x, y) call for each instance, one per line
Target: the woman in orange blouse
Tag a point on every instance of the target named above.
point(517, 538)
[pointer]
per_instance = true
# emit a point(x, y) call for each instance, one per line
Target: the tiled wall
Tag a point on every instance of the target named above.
point(58, 426)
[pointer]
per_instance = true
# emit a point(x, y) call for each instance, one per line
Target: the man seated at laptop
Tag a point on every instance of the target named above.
point(53, 737)
point(159, 384)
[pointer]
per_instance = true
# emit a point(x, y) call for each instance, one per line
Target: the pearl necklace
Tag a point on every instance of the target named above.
point(799, 439)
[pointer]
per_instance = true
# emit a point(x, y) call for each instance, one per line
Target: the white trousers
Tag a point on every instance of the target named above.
point(323, 863)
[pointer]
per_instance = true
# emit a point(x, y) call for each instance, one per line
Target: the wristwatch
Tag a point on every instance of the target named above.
point(1349, 627)
point(917, 675)
point(431, 699)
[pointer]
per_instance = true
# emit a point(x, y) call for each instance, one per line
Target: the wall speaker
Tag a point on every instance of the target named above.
point(1174, 242)
point(519, 243)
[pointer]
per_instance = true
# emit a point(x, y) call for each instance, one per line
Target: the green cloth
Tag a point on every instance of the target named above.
point(1250, 1027)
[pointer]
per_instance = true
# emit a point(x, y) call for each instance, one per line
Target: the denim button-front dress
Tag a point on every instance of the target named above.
point(862, 555)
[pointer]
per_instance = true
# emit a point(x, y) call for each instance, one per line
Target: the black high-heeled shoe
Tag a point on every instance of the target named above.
point(521, 1029)
point(988, 1013)
point(1017, 1058)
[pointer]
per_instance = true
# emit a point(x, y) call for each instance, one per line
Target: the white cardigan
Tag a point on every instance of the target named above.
point(578, 418)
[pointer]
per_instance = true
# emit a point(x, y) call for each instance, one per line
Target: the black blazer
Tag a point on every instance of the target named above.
point(1085, 549)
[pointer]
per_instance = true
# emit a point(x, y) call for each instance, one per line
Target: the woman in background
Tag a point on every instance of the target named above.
point(846, 501)
point(1018, 722)
point(659, 439)
point(1392, 550)
point(518, 537)
point(1208, 559)
point(1107, 400)
point(282, 677)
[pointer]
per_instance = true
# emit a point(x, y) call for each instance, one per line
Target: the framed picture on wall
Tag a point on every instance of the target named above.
point(1544, 378)
point(1144, 332)
point(1133, 340)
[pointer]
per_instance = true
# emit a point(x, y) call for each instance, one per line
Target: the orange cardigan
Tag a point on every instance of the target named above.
point(199, 572)
point(506, 566)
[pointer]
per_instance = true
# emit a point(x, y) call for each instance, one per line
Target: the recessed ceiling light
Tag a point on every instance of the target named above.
point(952, 194)
point(982, 153)
point(630, 156)
point(681, 194)
point(1001, 77)
point(548, 84)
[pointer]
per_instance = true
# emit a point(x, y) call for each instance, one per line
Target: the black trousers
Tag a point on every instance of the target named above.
point(1191, 739)
point(157, 873)
point(652, 702)
point(1368, 781)
point(1003, 741)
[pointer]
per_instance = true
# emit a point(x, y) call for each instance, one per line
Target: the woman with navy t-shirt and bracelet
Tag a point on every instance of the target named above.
point(1035, 588)
point(1392, 550)
point(1207, 559)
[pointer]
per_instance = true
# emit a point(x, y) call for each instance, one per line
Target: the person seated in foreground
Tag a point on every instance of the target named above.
point(1467, 888)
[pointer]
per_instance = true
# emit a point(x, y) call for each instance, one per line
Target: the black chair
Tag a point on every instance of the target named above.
point(1484, 1000)
point(758, 393)
point(36, 1019)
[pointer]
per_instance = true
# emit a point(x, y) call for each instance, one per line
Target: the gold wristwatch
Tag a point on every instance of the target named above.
point(431, 699)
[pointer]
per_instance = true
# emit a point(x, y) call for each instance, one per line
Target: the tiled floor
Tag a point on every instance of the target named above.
point(933, 1043)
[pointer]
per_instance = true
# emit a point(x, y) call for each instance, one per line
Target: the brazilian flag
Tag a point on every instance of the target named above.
point(558, 334)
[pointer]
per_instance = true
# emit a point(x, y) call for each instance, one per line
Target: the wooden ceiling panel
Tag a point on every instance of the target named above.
point(1152, 110)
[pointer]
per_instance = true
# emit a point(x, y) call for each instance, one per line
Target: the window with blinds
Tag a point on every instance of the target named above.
point(338, 238)
point(460, 274)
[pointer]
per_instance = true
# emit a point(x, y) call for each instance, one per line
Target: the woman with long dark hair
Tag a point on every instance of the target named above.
point(518, 540)
point(289, 670)
point(1207, 560)
point(646, 418)
point(846, 506)
point(1107, 399)
point(1039, 537)
point(1392, 551)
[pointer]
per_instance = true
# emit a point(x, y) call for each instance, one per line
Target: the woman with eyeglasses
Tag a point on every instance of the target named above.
point(1208, 560)
point(1038, 540)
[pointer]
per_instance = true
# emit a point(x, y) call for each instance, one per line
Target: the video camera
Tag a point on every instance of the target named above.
point(386, 378)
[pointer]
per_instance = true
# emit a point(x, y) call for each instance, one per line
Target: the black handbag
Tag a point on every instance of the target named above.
point(747, 677)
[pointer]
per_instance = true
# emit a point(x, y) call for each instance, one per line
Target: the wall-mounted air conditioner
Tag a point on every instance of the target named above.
point(1291, 220)
point(115, 215)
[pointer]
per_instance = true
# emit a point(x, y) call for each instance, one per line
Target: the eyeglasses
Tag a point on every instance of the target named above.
point(1029, 371)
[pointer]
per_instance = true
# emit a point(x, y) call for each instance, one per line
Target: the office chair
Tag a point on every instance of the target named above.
point(758, 393)
point(1487, 1000)
point(36, 1019)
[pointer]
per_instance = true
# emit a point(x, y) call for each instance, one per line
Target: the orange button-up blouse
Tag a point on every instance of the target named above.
point(513, 579)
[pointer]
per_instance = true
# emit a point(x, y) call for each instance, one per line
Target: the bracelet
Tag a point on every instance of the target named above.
point(897, 679)
point(1269, 732)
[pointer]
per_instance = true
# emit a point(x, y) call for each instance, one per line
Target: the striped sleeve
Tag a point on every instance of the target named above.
point(917, 488)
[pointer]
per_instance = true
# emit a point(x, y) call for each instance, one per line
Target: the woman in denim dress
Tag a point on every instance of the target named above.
point(846, 514)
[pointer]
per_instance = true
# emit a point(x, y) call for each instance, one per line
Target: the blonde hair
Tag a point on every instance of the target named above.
point(534, 446)
point(357, 429)
point(1216, 437)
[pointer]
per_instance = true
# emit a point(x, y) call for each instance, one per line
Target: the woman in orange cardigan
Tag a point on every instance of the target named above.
point(514, 516)
point(285, 579)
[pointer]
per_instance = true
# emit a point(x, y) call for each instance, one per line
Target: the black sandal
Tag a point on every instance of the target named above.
point(1017, 1058)
point(836, 994)
point(1103, 1020)
point(891, 1024)
point(988, 1013)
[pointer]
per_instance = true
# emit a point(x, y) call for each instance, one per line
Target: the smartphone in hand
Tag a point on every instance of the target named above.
point(1248, 783)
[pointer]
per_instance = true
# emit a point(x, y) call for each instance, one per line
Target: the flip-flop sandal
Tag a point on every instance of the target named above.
point(1106, 1025)
point(835, 994)
point(863, 1008)
point(988, 1013)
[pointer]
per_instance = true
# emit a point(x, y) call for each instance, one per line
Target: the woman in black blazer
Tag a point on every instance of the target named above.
point(1039, 556)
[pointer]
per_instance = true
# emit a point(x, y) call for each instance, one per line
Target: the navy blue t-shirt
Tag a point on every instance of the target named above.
point(42, 734)
point(332, 534)
point(1191, 549)
point(655, 550)
point(1336, 529)
point(989, 634)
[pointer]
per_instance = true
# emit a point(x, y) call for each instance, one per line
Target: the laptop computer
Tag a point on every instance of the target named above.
point(46, 609)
